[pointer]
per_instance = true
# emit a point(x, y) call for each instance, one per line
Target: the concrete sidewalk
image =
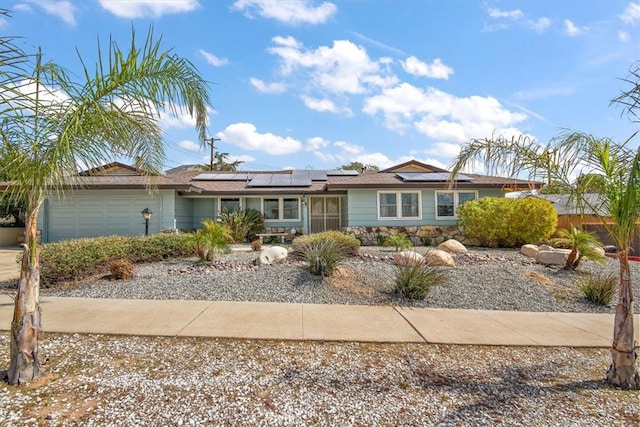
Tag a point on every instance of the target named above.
point(278, 321)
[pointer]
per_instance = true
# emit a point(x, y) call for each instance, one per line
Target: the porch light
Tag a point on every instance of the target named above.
point(146, 214)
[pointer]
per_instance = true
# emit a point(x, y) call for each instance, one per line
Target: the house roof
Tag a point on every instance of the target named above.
point(564, 204)
point(411, 174)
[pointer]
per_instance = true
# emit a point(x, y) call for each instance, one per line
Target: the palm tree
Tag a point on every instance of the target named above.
point(51, 126)
point(582, 244)
point(612, 167)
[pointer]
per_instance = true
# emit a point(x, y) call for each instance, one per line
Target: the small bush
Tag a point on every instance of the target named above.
point(243, 224)
point(508, 222)
point(598, 288)
point(399, 241)
point(256, 245)
point(415, 282)
point(323, 257)
point(121, 269)
point(350, 244)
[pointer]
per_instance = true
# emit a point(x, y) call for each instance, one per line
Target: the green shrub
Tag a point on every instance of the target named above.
point(243, 224)
point(350, 244)
point(508, 222)
point(210, 240)
point(399, 241)
point(79, 258)
point(323, 257)
point(415, 282)
point(598, 288)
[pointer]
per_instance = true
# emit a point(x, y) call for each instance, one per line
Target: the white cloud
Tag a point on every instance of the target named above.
point(290, 12)
point(541, 24)
point(267, 87)
point(63, 9)
point(631, 14)
point(343, 68)
point(169, 120)
point(246, 136)
point(440, 115)
point(212, 59)
point(148, 8)
point(316, 143)
point(512, 14)
point(324, 105)
point(443, 150)
point(572, 29)
point(435, 70)
point(189, 145)
point(623, 36)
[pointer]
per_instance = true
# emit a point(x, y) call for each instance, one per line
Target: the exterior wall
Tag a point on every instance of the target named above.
point(203, 208)
point(363, 209)
point(92, 213)
point(183, 213)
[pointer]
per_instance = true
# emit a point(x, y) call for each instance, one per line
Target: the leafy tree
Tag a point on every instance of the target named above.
point(617, 168)
point(53, 123)
point(582, 244)
point(358, 166)
point(221, 163)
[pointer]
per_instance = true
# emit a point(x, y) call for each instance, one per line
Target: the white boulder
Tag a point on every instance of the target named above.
point(272, 255)
point(529, 250)
point(407, 258)
point(453, 247)
point(439, 257)
point(553, 257)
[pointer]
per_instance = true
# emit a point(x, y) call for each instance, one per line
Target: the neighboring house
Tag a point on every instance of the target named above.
point(411, 197)
point(572, 215)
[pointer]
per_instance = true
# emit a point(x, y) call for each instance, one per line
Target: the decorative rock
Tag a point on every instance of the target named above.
point(529, 250)
point(553, 257)
point(546, 248)
point(439, 257)
point(452, 246)
point(272, 255)
point(407, 258)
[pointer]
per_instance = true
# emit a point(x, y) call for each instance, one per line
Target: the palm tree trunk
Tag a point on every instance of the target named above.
point(622, 372)
point(26, 323)
point(571, 259)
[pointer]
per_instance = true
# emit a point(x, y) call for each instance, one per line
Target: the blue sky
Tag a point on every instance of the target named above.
point(318, 84)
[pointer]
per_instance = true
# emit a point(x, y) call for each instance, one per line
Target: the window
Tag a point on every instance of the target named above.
point(281, 209)
point(447, 202)
point(229, 205)
point(399, 205)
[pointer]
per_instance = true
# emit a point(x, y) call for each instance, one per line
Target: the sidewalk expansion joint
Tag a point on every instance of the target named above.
point(411, 325)
point(194, 318)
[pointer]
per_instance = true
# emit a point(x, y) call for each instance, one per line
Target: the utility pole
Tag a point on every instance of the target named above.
point(212, 142)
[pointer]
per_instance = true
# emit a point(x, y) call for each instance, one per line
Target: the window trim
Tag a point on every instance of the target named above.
point(456, 202)
point(280, 200)
point(399, 216)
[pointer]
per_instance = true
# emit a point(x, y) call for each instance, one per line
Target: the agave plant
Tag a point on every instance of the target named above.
point(243, 224)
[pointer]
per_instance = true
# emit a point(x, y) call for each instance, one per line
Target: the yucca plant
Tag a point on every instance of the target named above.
point(582, 244)
point(415, 281)
point(399, 241)
point(598, 288)
point(323, 257)
point(243, 224)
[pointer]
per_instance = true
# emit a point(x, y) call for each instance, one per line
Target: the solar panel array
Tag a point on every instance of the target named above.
point(279, 180)
point(431, 177)
point(222, 177)
point(297, 178)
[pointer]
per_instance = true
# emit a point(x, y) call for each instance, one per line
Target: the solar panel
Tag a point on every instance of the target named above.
point(431, 177)
point(313, 174)
point(278, 180)
point(222, 177)
point(341, 172)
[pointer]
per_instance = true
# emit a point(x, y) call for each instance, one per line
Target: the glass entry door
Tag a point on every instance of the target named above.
point(325, 213)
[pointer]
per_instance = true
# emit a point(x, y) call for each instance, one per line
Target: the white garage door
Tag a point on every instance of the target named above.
point(75, 217)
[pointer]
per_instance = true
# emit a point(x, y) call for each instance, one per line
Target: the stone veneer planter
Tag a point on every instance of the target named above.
point(419, 235)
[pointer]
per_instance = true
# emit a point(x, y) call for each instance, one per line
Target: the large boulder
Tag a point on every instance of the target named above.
point(407, 258)
point(452, 246)
point(529, 250)
point(272, 255)
point(439, 257)
point(553, 257)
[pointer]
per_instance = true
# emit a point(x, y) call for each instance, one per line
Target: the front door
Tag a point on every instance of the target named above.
point(325, 214)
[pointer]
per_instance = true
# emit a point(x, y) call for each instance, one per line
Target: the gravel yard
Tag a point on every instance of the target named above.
point(124, 380)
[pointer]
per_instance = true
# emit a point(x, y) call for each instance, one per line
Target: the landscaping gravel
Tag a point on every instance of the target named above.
point(488, 279)
point(98, 380)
